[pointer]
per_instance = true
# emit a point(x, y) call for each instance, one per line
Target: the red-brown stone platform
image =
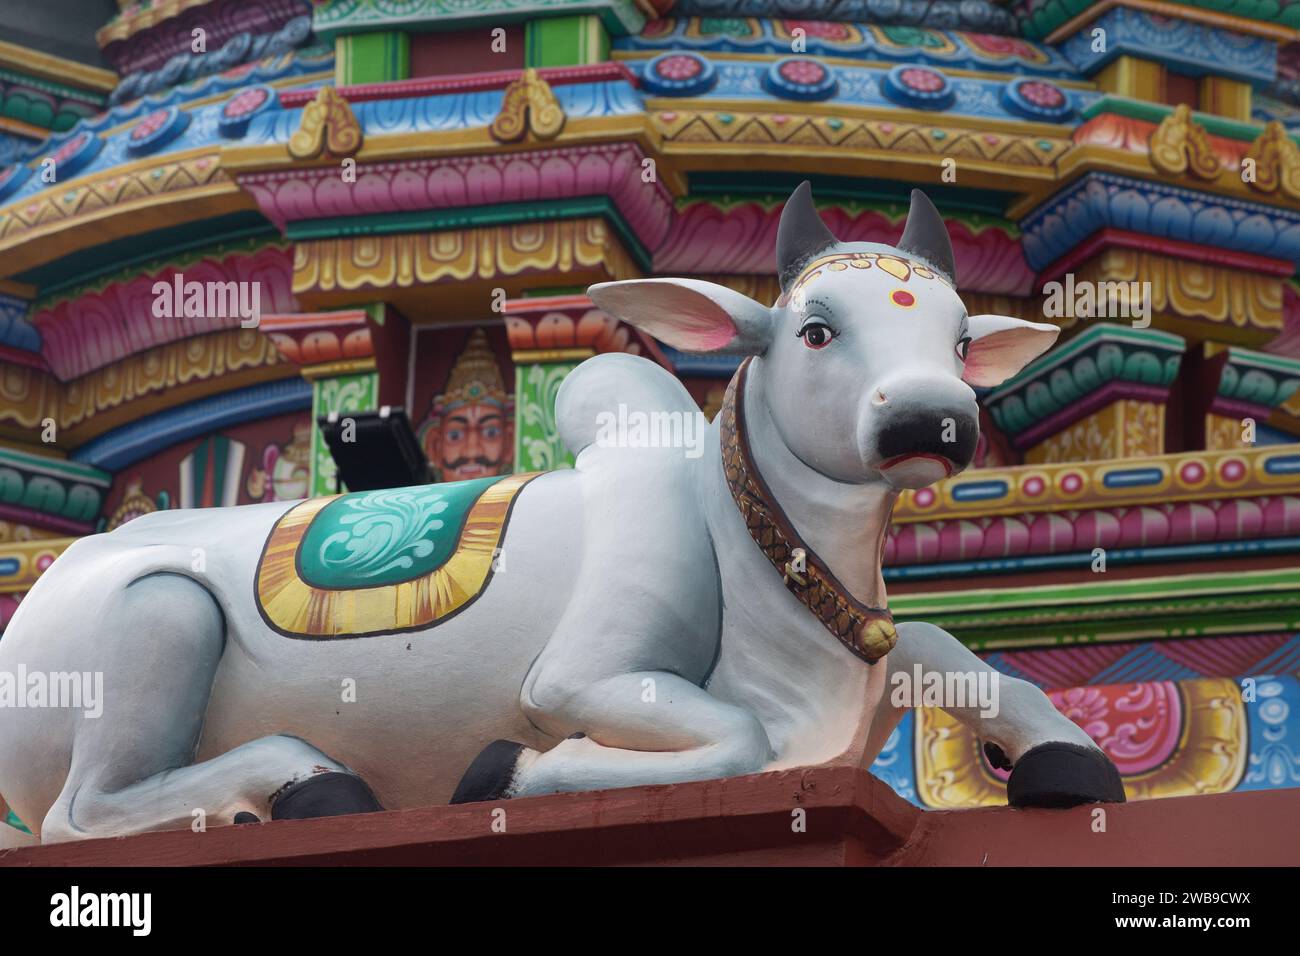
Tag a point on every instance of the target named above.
point(852, 819)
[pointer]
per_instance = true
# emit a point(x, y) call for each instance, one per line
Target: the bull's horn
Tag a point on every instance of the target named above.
point(800, 235)
point(926, 237)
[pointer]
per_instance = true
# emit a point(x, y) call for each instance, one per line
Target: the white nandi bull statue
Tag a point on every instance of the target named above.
point(661, 617)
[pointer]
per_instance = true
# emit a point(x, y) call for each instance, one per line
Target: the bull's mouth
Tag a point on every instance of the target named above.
point(920, 457)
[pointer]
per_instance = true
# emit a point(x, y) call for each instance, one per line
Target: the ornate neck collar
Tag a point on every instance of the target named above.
point(866, 631)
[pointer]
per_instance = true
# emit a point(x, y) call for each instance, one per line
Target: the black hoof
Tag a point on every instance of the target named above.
point(489, 776)
point(324, 795)
point(243, 816)
point(1063, 775)
point(997, 757)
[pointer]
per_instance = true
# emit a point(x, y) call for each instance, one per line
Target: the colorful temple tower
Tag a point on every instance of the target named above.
point(227, 227)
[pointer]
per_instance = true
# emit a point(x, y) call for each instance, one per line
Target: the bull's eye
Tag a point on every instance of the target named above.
point(963, 347)
point(816, 335)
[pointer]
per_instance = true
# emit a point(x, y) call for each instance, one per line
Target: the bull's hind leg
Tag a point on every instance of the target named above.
point(132, 768)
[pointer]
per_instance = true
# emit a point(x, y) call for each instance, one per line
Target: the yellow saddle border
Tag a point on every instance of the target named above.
point(297, 609)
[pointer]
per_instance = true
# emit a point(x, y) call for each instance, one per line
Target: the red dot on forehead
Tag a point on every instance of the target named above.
point(903, 297)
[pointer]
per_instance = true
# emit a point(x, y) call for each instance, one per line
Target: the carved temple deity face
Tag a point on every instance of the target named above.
point(471, 441)
point(865, 364)
point(470, 429)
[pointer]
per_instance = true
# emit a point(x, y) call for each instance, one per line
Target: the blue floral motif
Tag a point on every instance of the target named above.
point(383, 531)
point(1273, 716)
point(894, 765)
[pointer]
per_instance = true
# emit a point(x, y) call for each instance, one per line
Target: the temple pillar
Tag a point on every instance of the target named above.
point(565, 41)
point(1245, 388)
point(1133, 77)
point(336, 353)
point(378, 57)
point(1226, 97)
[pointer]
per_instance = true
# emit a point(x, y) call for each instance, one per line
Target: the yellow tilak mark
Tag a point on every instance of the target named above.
point(895, 267)
point(899, 268)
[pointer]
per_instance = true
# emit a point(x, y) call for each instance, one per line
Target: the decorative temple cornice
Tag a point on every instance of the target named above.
point(543, 327)
point(1109, 608)
point(1205, 529)
point(1170, 39)
point(1054, 20)
point(56, 69)
point(138, 17)
point(105, 312)
point(50, 492)
point(1104, 200)
point(1156, 479)
point(333, 17)
point(495, 179)
point(470, 263)
point(128, 200)
point(848, 41)
point(1098, 366)
point(323, 344)
point(859, 142)
point(1252, 384)
point(137, 385)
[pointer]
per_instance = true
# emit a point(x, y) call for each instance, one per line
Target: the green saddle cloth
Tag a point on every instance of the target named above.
point(371, 538)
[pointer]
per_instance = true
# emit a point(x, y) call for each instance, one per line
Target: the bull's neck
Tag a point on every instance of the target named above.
point(844, 524)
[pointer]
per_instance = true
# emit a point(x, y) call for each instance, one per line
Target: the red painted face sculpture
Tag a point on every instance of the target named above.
point(471, 442)
point(470, 429)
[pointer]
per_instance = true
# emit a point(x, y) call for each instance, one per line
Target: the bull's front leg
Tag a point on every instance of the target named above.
point(1053, 762)
point(625, 730)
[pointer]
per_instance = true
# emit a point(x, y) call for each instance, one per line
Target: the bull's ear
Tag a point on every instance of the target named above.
point(1001, 346)
point(688, 314)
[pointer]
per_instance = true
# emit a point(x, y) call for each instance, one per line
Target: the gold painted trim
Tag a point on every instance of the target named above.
point(945, 121)
point(56, 69)
point(19, 128)
point(1086, 157)
point(1210, 756)
point(298, 609)
point(126, 25)
point(243, 159)
point(551, 355)
point(344, 367)
point(19, 290)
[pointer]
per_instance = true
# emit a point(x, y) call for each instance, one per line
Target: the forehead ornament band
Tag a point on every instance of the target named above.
point(896, 266)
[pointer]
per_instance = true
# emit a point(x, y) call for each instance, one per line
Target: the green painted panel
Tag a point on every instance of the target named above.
point(332, 18)
point(344, 393)
point(372, 58)
point(537, 437)
point(565, 41)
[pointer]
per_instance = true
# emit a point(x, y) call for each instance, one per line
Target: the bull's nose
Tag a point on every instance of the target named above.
point(923, 417)
point(950, 433)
